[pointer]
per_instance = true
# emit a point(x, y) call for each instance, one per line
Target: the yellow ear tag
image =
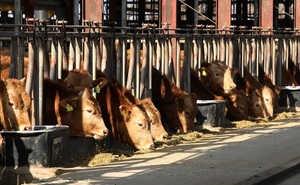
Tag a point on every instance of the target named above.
point(204, 73)
point(97, 89)
point(69, 108)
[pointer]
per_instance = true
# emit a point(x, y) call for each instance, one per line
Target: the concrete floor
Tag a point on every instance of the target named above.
point(245, 156)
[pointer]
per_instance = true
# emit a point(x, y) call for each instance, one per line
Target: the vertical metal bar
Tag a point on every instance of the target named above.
point(124, 61)
point(119, 59)
point(158, 54)
point(71, 55)
point(53, 60)
point(21, 51)
point(40, 81)
point(59, 61)
point(178, 63)
point(13, 58)
point(131, 64)
point(144, 68)
point(77, 53)
point(137, 68)
point(104, 56)
point(86, 56)
point(30, 67)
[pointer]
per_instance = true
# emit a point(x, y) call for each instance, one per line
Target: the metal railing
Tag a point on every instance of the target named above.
point(128, 54)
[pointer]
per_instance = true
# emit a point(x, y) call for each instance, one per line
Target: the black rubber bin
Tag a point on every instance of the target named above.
point(44, 146)
point(290, 98)
point(211, 112)
point(80, 147)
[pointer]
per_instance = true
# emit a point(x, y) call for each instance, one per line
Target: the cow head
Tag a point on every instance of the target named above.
point(15, 107)
point(237, 106)
point(82, 115)
point(136, 128)
point(179, 116)
point(217, 76)
point(269, 100)
point(79, 79)
point(156, 127)
point(256, 104)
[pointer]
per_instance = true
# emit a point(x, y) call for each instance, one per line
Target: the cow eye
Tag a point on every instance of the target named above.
point(152, 122)
point(217, 74)
point(267, 99)
point(140, 124)
point(187, 113)
point(89, 110)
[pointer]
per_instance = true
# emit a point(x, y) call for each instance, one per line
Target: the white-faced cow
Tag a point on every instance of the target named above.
point(217, 77)
point(15, 105)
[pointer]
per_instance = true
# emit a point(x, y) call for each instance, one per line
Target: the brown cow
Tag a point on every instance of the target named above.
point(157, 130)
point(237, 106)
point(265, 80)
point(178, 108)
point(260, 98)
point(217, 77)
point(80, 79)
point(128, 123)
point(15, 106)
point(156, 127)
point(200, 89)
point(236, 100)
point(77, 109)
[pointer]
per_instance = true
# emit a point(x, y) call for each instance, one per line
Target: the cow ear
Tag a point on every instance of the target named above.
point(23, 81)
point(101, 82)
point(125, 111)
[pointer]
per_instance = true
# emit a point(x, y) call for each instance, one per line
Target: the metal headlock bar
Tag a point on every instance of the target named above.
point(128, 54)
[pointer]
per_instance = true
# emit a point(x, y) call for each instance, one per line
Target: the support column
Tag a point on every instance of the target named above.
point(223, 14)
point(92, 10)
point(296, 14)
point(28, 10)
point(169, 12)
point(266, 14)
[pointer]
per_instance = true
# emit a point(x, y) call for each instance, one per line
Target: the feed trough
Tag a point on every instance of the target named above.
point(211, 112)
point(290, 98)
point(44, 146)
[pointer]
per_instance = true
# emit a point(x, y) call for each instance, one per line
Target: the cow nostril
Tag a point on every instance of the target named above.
point(166, 136)
point(105, 131)
point(152, 146)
